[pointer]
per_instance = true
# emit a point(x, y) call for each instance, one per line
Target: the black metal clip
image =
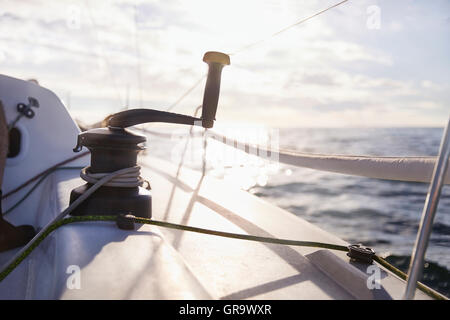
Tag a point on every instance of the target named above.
point(26, 110)
point(125, 221)
point(361, 254)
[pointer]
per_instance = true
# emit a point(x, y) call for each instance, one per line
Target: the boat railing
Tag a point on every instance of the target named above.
point(429, 212)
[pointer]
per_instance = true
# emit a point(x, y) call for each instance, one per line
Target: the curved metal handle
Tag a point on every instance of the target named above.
point(132, 117)
point(216, 61)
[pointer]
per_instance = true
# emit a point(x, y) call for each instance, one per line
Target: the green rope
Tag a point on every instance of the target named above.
point(36, 185)
point(432, 293)
point(241, 236)
point(5, 272)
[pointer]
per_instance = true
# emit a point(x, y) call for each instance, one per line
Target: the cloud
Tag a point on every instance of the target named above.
point(332, 66)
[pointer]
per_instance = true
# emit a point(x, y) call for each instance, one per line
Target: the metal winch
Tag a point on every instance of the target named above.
point(115, 147)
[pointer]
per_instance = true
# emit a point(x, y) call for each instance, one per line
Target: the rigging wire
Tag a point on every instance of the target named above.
point(103, 55)
point(138, 56)
point(195, 84)
point(184, 95)
point(248, 46)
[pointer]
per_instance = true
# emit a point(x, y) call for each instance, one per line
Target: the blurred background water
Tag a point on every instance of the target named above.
point(378, 213)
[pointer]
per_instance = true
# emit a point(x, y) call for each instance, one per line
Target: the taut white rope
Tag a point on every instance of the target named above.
point(417, 169)
point(414, 169)
point(130, 179)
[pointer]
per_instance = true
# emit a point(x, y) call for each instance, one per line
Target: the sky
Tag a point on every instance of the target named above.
point(362, 64)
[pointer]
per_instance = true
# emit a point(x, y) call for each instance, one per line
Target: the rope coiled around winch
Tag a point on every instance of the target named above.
point(129, 180)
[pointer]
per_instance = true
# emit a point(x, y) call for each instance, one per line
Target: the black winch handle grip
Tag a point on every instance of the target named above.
point(216, 61)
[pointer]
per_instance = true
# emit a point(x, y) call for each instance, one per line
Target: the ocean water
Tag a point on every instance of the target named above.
point(378, 213)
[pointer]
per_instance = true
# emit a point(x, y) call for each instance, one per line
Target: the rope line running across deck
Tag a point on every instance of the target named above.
point(11, 266)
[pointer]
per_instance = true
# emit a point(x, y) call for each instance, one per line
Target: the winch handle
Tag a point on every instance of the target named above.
point(216, 61)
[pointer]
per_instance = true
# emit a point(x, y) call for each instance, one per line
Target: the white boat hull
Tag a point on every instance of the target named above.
point(96, 260)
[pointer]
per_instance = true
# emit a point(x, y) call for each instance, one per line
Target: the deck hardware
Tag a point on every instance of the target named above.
point(26, 110)
point(360, 253)
point(125, 221)
point(115, 148)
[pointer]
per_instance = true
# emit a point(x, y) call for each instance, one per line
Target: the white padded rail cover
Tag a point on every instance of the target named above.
point(416, 169)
